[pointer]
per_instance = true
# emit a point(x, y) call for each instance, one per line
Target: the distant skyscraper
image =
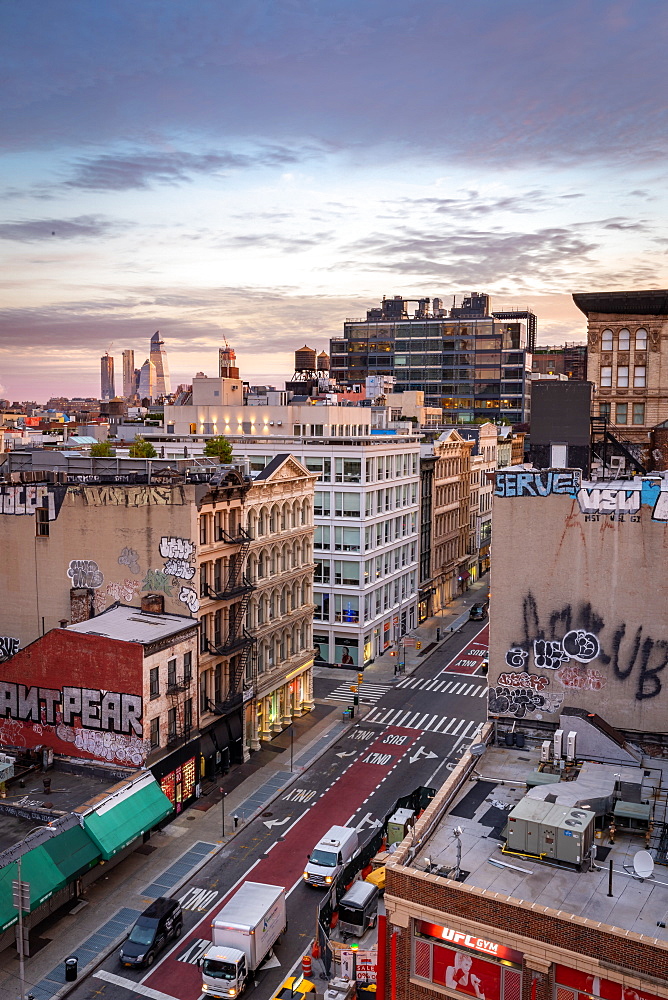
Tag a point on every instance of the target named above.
point(129, 383)
point(163, 385)
point(147, 381)
point(108, 390)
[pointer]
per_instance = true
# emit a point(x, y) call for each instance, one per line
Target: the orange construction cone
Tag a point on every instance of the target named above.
point(307, 965)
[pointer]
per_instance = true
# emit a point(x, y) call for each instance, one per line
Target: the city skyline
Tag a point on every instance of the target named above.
point(259, 174)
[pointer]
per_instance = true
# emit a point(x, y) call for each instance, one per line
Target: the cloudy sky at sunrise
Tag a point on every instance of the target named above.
point(261, 169)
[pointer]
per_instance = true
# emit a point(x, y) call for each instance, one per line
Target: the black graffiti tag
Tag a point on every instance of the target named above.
point(8, 646)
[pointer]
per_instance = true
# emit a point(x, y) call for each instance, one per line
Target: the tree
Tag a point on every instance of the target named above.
point(141, 448)
point(220, 448)
point(102, 449)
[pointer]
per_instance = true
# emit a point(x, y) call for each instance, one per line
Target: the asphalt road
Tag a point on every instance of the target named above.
point(416, 730)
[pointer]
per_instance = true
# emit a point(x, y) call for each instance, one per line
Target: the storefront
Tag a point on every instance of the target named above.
point(425, 604)
point(221, 744)
point(463, 964)
point(177, 774)
point(276, 709)
point(571, 984)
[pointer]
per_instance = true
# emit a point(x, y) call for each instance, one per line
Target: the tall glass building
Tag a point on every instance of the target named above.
point(472, 362)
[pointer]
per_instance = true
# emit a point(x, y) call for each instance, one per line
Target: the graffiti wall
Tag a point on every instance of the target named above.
point(47, 698)
point(578, 602)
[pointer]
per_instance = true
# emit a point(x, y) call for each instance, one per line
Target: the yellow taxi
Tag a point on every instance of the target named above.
point(294, 988)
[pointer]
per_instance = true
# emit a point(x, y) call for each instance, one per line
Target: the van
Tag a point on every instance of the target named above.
point(358, 908)
point(330, 856)
point(160, 923)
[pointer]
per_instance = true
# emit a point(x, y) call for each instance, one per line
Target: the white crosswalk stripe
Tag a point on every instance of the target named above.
point(443, 686)
point(369, 694)
point(444, 724)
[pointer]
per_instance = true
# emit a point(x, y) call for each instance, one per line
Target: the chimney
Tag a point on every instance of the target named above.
point(153, 603)
point(64, 623)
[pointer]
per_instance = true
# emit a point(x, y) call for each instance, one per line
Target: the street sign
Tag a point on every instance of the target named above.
point(21, 895)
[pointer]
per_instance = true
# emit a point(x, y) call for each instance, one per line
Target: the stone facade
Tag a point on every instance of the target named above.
point(450, 516)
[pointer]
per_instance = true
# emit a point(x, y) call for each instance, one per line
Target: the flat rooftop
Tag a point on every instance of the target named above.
point(480, 811)
point(133, 625)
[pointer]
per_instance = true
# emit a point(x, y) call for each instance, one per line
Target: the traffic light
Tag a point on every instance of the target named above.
point(360, 678)
point(353, 688)
point(418, 644)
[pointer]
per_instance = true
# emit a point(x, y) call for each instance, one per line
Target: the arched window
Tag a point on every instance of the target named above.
point(606, 340)
point(305, 512)
point(252, 523)
point(624, 341)
point(261, 564)
point(641, 340)
point(262, 524)
point(273, 521)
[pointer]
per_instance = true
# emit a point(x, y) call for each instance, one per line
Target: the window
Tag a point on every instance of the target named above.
point(321, 537)
point(154, 682)
point(346, 608)
point(323, 466)
point(171, 725)
point(218, 682)
point(606, 340)
point(202, 580)
point(347, 539)
point(203, 700)
point(187, 715)
point(321, 612)
point(321, 504)
point(348, 470)
point(622, 377)
point(154, 732)
point(41, 522)
point(641, 340)
point(604, 411)
point(203, 531)
point(639, 413)
point(347, 573)
point(347, 504)
point(321, 573)
point(187, 668)
point(203, 633)
point(621, 413)
point(624, 340)
point(171, 674)
point(639, 376)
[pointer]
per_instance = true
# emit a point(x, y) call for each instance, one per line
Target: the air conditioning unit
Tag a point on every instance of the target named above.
point(558, 744)
point(545, 751)
point(570, 745)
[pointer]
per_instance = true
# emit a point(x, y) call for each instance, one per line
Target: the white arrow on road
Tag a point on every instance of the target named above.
point(351, 753)
point(368, 819)
point(276, 822)
point(421, 752)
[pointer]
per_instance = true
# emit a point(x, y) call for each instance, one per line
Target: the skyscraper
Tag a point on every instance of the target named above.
point(107, 385)
point(158, 356)
point(129, 383)
point(147, 381)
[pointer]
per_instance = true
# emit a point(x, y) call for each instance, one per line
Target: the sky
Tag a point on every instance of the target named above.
point(258, 171)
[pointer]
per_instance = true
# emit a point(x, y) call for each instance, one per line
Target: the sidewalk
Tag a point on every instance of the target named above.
point(173, 855)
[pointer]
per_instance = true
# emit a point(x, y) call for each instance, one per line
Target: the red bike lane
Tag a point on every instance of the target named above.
point(472, 656)
point(285, 861)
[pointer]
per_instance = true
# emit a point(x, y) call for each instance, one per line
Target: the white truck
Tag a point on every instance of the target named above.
point(330, 856)
point(242, 935)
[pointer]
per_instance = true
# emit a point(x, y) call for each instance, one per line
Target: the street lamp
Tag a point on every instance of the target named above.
point(222, 802)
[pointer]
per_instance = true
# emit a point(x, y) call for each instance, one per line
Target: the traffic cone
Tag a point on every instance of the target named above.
point(307, 965)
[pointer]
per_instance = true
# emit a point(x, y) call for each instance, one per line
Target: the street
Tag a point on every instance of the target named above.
point(417, 728)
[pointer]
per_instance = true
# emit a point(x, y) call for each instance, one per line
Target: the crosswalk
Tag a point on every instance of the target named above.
point(369, 694)
point(443, 685)
point(424, 721)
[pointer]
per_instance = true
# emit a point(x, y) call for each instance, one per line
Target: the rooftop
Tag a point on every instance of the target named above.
point(134, 625)
point(477, 820)
point(653, 302)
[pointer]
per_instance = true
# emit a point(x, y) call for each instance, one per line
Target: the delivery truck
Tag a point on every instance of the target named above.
point(330, 856)
point(242, 935)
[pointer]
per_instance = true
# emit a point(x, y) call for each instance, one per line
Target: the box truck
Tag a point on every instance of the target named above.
point(330, 856)
point(242, 935)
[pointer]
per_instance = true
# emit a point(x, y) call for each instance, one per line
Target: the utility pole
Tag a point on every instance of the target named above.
point(21, 900)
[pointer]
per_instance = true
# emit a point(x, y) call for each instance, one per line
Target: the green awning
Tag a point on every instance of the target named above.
point(73, 852)
point(43, 877)
point(133, 815)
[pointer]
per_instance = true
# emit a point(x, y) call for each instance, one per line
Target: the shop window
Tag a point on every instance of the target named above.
point(345, 651)
point(321, 646)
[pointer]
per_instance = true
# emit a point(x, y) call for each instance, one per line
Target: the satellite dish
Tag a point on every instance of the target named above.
point(643, 864)
point(477, 749)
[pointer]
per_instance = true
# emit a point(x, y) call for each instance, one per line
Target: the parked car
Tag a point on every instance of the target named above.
point(294, 988)
point(160, 923)
point(478, 611)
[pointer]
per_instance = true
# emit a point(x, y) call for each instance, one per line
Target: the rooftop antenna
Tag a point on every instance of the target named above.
point(643, 864)
point(458, 837)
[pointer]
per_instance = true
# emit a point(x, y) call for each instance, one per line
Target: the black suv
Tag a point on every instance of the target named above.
point(478, 611)
point(159, 923)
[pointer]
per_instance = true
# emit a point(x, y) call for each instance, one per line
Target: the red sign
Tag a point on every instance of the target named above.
point(470, 976)
point(470, 941)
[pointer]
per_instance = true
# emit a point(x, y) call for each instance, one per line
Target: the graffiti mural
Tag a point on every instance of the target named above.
point(616, 503)
point(522, 701)
point(189, 597)
point(123, 590)
point(522, 679)
point(542, 483)
point(156, 579)
point(129, 558)
point(8, 646)
point(578, 677)
point(112, 747)
point(85, 574)
point(177, 552)
point(20, 500)
point(130, 496)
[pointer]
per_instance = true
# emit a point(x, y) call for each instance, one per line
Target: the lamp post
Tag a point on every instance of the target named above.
point(222, 802)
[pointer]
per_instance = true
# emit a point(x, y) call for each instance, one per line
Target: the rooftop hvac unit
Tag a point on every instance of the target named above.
point(570, 745)
point(545, 750)
point(558, 744)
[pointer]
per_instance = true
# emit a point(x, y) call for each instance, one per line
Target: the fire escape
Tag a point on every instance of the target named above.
point(181, 727)
point(606, 446)
point(238, 643)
